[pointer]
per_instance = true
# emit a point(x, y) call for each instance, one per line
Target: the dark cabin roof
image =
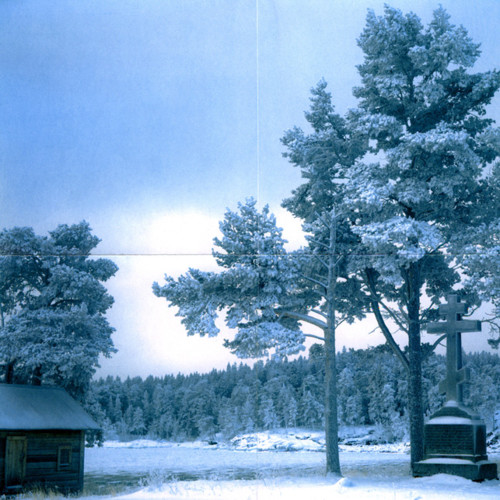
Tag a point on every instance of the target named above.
point(28, 407)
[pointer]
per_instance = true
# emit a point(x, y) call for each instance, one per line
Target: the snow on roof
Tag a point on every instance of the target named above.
point(27, 407)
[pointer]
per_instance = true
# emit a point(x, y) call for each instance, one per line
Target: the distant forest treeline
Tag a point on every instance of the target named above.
point(275, 394)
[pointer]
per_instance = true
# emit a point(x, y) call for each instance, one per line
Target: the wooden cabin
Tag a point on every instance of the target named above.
point(42, 439)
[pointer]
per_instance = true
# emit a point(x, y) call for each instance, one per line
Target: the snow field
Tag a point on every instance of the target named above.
point(439, 487)
point(267, 466)
point(371, 472)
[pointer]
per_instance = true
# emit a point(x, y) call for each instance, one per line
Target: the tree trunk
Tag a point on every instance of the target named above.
point(412, 365)
point(415, 358)
point(36, 379)
point(9, 367)
point(331, 419)
point(9, 372)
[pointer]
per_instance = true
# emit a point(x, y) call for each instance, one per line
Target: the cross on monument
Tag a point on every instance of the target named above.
point(454, 326)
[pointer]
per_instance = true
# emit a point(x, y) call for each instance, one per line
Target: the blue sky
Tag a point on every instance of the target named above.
point(148, 118)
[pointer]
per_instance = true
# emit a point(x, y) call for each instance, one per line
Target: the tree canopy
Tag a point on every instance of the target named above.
point(256, 278)
point(53, 306)
point(424, 113)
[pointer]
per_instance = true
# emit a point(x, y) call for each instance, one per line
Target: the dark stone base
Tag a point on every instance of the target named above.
point(455, 432)
point(476, 471)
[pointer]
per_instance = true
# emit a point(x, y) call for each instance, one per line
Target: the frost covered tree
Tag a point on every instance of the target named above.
point(425, 209)
point(136, 424)
point(265, 292)
point(268, 414)
point(53, 306)
point(350, 400)
point(310, 411)
point(257, 276)
point(382, 404)
point(288, 406)
point(248, 415)
point(334, 293)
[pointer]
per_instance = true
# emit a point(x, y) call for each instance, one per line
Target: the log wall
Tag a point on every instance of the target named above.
point(43, 468)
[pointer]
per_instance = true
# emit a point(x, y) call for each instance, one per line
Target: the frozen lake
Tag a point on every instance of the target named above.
point(251, 467)
point(122, 469)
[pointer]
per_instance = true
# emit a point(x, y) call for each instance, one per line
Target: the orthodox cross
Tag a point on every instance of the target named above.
point(453, 327)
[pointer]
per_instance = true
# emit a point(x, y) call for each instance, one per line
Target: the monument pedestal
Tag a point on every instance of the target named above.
point(478, 471)
point(455, 443)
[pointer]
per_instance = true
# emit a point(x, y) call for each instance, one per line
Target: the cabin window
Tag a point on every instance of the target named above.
point(64, 457)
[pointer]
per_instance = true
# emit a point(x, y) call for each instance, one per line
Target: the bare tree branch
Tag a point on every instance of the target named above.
point(321, 313)
point(314, 336)
point(325, 223)
point(435, 344)
point(304, 317)
point(316, 242)
point(320, 260)
point(339, 322)
point(317, 282)
point(374, 302)
point(392, 314)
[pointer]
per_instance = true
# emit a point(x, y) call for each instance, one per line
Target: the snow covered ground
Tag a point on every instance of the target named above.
point(265, 466)
point(320, 488)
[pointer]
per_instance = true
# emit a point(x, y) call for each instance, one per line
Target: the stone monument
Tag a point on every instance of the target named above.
point(455, 436)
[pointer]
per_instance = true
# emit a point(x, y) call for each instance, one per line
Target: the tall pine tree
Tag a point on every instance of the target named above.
point(265, 292)
point(425, 205)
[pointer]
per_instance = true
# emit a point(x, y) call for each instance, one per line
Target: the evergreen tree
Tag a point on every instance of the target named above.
point(249, 415)
point(482, 392)
point(382, 405)
point(310, 412)
point(136, 423)
point(204, 408)
point(267, 412)
point(427, 202)
point(287, 407)
point(325, 157)
point(115, 410)
point(266, 292)
point(52, 307)
point(228, 419)
point(147, 409)
point(350, 399)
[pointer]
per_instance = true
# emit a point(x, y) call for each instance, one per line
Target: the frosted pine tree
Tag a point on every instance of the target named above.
point(350, 400)
point(265, 293)
point(425, 204)
point(310, 411)
point(137, 425)
point(257, 277)
point(53, 307)
point(288, 407)
point(248, 413)
point(325, 157)
point(267, 412)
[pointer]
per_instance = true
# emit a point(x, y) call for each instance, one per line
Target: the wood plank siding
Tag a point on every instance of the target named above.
point(53, 460)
